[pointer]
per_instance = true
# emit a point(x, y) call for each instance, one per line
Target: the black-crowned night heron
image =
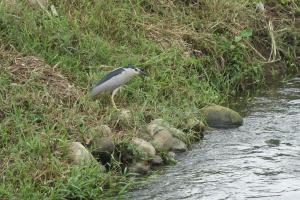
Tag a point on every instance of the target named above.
point(114, 80)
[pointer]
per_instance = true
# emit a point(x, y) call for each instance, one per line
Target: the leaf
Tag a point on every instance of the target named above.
point(237, 38)
point(246, 33)
point(243, 34)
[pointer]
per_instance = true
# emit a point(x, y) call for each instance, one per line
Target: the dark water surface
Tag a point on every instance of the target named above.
point(259, 160)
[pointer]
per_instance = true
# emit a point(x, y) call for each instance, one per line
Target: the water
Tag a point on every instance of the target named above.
point(259, 160)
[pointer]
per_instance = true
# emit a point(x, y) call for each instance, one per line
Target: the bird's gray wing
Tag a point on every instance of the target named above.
point(109, 76)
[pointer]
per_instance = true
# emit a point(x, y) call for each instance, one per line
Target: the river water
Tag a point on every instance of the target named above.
point(259, 160)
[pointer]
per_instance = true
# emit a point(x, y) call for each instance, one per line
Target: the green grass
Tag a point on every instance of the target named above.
point(195, 52)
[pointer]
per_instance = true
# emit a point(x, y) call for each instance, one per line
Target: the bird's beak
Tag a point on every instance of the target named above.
point(143, 73)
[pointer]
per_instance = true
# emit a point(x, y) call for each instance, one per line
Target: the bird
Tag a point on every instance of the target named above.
point(114, 80)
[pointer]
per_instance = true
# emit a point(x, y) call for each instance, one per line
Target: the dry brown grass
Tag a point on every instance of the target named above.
point(31, 68)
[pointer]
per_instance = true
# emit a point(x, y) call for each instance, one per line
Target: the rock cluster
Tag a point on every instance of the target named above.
point(165, 140)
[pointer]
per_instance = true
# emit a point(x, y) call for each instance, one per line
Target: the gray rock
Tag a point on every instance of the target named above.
point(179, 134)
point(154, 128)
point(197, 126)
point(79, 154)
point(125, 118)
point(141, 168)
point(103, 145)
point(171, 154)
point(102, 130)
point(273, 142)
point(102, 149)
point(221, 117)
point(165, 137)
point(159, 124)
point(157, 160)
point(178, 146)
point(144, 147)
point(170, 158)
point(164, 141)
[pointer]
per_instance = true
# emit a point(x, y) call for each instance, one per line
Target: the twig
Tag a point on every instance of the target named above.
point(256, 51)
point(273, 42)
point(133, 8)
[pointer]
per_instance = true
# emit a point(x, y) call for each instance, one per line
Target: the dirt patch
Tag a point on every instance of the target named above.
point(31, 69)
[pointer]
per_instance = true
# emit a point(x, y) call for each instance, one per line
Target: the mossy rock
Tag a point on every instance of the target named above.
point(79, 155)
point(221, 117)
point(159, 124)
point(139, 168)
point(102, 148)
point(164, 141)
point(145, 147)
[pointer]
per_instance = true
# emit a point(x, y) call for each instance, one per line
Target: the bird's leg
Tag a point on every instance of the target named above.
point(112, 98)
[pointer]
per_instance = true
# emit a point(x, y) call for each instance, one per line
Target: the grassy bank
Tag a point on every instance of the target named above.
point(195, 52)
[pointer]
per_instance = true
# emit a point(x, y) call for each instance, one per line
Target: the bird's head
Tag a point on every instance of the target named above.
point(135, 70)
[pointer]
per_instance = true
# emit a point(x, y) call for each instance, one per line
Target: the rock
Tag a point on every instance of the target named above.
point(103, 145)
point(221, 117)
point(160, 122)
point(125, 118)
point(79, 154)
point(179, 134)
point(170, 158)
point(171, 154)
point(158, 125)
point(197, 126)
point(139, 168)
point(157, 160)
point(102, 130)
point(273, 142)
point(148, 117)
point(164, 141)
point(102, 149)
point(178, 145)
point(154, 128)
point(97, 132)
point(144, 147)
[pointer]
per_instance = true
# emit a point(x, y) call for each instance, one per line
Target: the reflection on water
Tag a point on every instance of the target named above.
point(259, 160)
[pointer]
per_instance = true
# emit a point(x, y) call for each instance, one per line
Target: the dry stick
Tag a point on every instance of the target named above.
point(273, 53)
point(44, 8)
point(273, 42)
point(256, 51)
point(133, 8)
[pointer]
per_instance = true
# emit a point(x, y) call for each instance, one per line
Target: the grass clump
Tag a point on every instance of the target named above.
point(195, 52)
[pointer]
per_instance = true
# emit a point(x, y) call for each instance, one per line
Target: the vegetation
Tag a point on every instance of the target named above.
point(196, 52)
